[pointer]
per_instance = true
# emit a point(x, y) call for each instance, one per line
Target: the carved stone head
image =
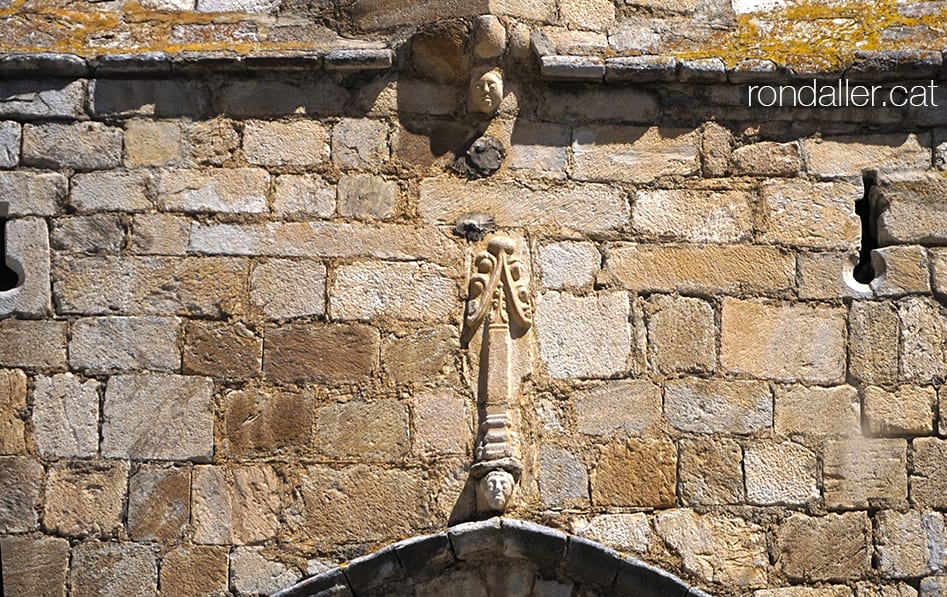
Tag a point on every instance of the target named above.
point(486, 91)
point(496, 488)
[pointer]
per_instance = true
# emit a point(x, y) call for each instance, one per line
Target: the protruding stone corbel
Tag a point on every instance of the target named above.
point(498, 301)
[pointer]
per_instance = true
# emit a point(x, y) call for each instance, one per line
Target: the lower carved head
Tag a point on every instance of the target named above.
point(486, 91)
point(496, 488)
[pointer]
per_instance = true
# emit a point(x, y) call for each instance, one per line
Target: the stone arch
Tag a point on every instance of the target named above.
point(494, 558)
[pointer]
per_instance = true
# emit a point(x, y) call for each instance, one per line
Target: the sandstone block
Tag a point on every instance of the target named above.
point(416, 96)
point(35, 566)
point(125, 343)
point(195, 570)
point(623, 532)
point(442, 423)
point(399, 290)
point(716, 548)
point(693, 216)
point(211, 142)
point(420, 355)
point(859, 473)
point(634, 154)
point(20, 487)
point(230, 190)
point(711, 471)
point(153, 143)
point(99, 233)
point(249, 6)
point(303, 194)
point(359, 143)
point(130, 568)
point(85, 498)
point(817, 215)
point(910, 544)
point(222, 350)
point(785, 342)
point(113, 190)
point(767, 158)
point(328, 353)
point(366, 196)
point(162, 98)
point(828, 276)
point(922, 338)
point(710, 405)
point(27, 250)
point(929, 478)
point(376, 429)
point(159, 234)
point(817, 411)
point(296, 143)
point(636, 472)
point(81, 146)
point(618, 407)
point(938, 258)
point(158, 503)
point(594, 16)
point(33, 344)
point(66, 416)
point(262, 421)
point(254, 574)
point(841, 157)
point(873, 329)
point(235, 505)
point(783, 473)
point(833, 547)
point(907, 410)
point(933, 586)
point(158, 416)
point(568, 264)
point(906, 271)
point(583, 207)
point(584, 336)
point(911, 212)
point(284, 288)
point(33, 193)
point(540, 148)
point(598, 105)
point(563, 480)
point(246, 98)
point(681, 333)
point(23, 98)
point(700, 269)
point(715, 150)
point(12, 407)
point(9, 144)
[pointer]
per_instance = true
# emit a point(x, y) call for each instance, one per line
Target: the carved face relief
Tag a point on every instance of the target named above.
point(486, 92)
point(496, 488)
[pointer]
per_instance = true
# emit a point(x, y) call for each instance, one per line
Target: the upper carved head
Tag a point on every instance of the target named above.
point(486, 91)
point(496, 488)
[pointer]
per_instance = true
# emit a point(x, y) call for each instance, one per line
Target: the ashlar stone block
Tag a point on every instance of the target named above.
point(873, 331)
point(817, 411)
point(400, 290)
point(235, 505)
point(627, 406)
point(66, 416)
point(85, 498)
point(859, 473)
point(563, 479)
point(835, 547)
point(303, 194)
point(35, 566)
point(20, 489)
point(125, 343)
point(910, 544)
point(27, 254)
point(81, 146)
point(219, 349)
point(722, 406)
point(195, 570)
point(159, 503)
point(9, 144)
point(813, 215)
point(681, 334)
point(783, 473)
point(693, 215)
point(922, 333)
point(12, 405)
point(711, 470)
point(296, 143)
point(637, 472)
point(359, 143)
point(131, 568)
point(929, 477)
point(908, 410)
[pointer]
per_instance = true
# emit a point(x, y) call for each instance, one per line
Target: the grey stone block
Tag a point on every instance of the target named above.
point(360, 59)
point(148, 97)
point(754, 70)
point(422, 554)
point(150, 63)
point(44, 63)
point(284, 62)
point(641, 69)
point(27, 248)
point(637, 579)
point(589, 562)
point(48, 98)
point(703, 70)
point(375, 570)
point(195, 63)
point(893, 65)
point(586, 69)
point(541, 545)
point(472, 540)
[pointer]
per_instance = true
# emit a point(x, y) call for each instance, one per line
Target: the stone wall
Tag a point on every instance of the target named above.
point(234, 359)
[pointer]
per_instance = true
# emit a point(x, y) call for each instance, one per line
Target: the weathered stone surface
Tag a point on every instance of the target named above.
point(193, 286)
point(9, 144)
point(12, 407)
point(767, 158)
point(598, 105)
point(624, 532)
point(693, 216)
point(910, 544)
point(399, 290)
point(33, 193)
point(111, 190)
point(148, 97)
point(230, 190)
point(296, 143)
point(829, 275)
point(125, 343)
point(159, 234)
point(222, 350)
point(716, 548)
point(583, 336)
point(929, 479)
point(817, 411)
point(784, 342)
point(441, 423)
point(85, 498)
point(568, 264)
point(253, 574)
point(933, 586)
point(710, 405)
point(636, 472)
point(235, 505)
point(711, 471)
point(328, 353)
point(911, 211)
point(419, 355)
point(195, 570)
point(20, 487)
point(922, 334)
point(817, 215)
point(103, 569)
point(618, 407)
point(211, 142)
point(907, 270)
point(262, 421)
point(780, 473)
point(303, 194)
point(35, 566)
point(596, 15)
point(33, 344)
point(833, 547)
point(48, 98)
point(382, 14)
point(539, 148)
point(841, 157)
point(153, 143)
point(66, 416)
point(376, 429)
point(359, 143)
point(284, 288)
point(584, 207)
point(705, 269)
point(158, 503)
point(27, 251)
point(873, 330)
point(715, 150)
point(158, 416)
point(363, 195)
point(389, 503)
point(82, 146)
point(907, 410)
point(99, 233)
point(563, 480)
point(865, 472)
point(634, 154)
point(681, 334)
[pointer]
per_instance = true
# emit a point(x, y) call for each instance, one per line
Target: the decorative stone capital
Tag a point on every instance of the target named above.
point(498, 292)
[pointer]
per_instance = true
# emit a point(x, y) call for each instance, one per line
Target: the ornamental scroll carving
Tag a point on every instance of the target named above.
point(497, 303)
